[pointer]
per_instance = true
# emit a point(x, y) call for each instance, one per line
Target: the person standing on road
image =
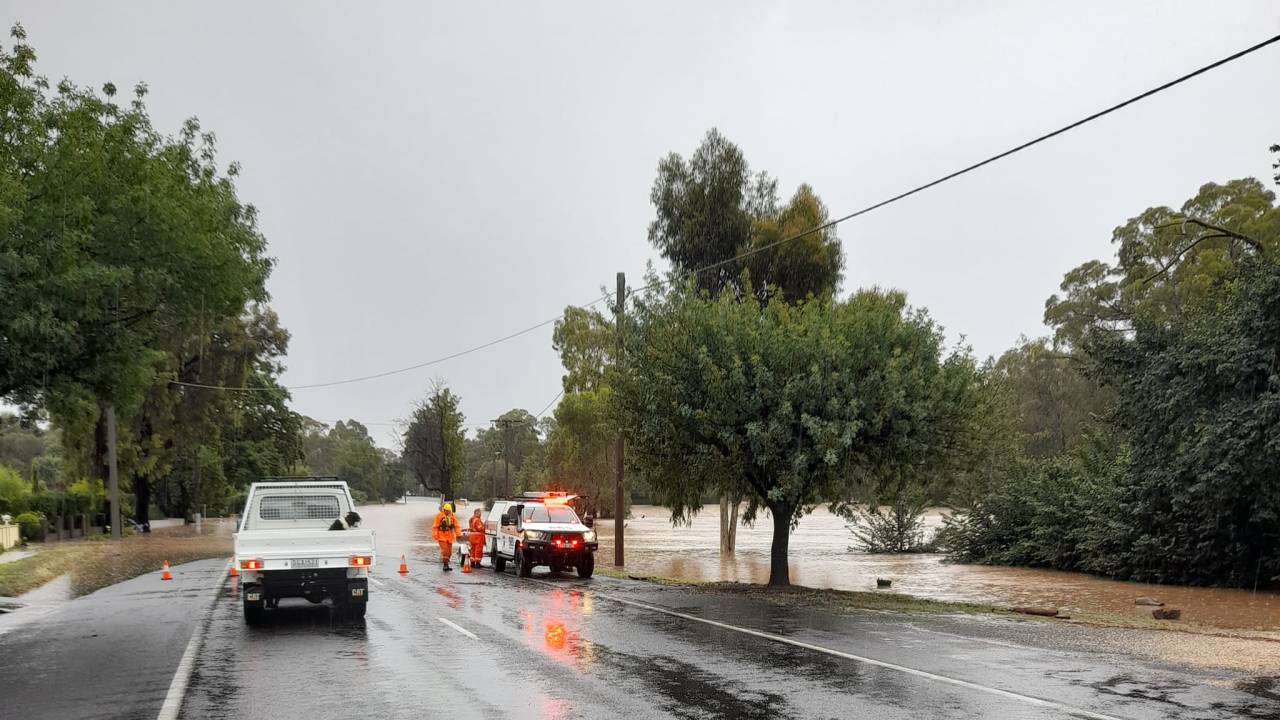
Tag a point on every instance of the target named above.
point(444, 530)
point(475, 534)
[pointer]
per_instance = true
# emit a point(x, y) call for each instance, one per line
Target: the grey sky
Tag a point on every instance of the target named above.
point(433, 176)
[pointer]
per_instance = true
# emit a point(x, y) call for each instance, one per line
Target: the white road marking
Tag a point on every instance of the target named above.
point(182, 676)
point(1028, 699)
point(459, 628)
point(375, 581)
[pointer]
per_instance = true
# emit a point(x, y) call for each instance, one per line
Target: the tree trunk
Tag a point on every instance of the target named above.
point(779, 573)
point(728, 525)
point(142, 501)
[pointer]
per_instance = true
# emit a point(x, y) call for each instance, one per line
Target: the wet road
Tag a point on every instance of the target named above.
point(487, 645)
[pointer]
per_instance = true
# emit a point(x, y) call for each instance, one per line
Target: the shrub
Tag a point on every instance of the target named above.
point(1061, 513)
point(49, 503)
point(31, 525)
point(85, 496)
point(898, 528)
point(15, 493)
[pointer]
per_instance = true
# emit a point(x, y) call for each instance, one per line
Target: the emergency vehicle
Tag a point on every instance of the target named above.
point(540, 528)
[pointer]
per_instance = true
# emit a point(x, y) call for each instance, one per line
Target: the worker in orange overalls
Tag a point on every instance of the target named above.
point(444, 530)
point(475, 534)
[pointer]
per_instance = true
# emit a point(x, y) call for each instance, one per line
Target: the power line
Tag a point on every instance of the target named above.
point(953, 175)
point(397, 371)
point(548, 407)
point(819, 228)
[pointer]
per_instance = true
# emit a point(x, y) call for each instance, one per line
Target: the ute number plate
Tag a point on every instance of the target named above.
point(304, 563)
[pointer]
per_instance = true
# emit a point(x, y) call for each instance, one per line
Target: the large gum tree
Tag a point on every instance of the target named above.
point(786, 405)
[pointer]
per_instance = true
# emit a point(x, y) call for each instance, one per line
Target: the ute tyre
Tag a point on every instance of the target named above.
point(523, 568)
point(587, 566)
point(355, 611)
point(254, 614)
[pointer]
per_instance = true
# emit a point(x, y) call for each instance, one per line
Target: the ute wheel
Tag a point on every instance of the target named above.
point(587, 566)
point(355, 611)
point(523, 568)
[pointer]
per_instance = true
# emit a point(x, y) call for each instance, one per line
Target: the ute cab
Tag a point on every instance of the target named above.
point(540, 528)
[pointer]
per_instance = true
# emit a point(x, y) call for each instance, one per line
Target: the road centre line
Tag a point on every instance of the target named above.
point(182, 676)
point(1027, 699)
point(459, 628)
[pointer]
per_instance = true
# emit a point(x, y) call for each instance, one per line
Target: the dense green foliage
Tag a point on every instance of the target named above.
point(1050, 399)
point(15, 493)
point(348, 452)
point(1149, 452)
point(435, 445)
point(786, 405)
point(713, 212)
point(1059, 512)
point(128, 262)
point(1199, 403)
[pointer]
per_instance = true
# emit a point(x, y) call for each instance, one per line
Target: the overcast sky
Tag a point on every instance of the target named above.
point(434, 176)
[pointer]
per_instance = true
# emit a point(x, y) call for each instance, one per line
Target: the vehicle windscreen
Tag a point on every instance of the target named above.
point(322, 509)
point(555, 514)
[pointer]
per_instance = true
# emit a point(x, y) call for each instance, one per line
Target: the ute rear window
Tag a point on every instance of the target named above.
point(298, 507)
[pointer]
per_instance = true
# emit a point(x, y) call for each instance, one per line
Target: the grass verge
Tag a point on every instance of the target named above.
point(852, 601)
point(96, 563)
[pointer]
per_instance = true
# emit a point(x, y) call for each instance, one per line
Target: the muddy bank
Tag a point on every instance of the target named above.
point(820, 558)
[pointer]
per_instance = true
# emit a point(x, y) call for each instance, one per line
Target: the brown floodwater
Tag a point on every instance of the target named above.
point(820, 558)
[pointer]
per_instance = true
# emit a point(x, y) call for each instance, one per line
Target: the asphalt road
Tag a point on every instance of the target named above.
point(484, 645)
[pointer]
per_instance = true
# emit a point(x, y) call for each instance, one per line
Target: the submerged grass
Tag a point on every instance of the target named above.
point(97, 562)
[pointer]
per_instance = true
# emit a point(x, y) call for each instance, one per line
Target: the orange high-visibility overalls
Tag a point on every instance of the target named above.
point(476, 537)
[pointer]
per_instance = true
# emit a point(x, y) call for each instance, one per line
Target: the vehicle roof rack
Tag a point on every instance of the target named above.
point(299, 478)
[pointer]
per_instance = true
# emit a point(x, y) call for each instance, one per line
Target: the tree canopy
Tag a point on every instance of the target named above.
point(1166, 263)
point(434, 443)
point(129, 263)
point(711, 210)
point(786, 405)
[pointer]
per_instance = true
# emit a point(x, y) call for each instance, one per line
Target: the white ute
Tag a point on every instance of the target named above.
point(285, 547)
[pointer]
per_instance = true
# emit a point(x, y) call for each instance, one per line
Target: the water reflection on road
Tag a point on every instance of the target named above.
point(820, 558)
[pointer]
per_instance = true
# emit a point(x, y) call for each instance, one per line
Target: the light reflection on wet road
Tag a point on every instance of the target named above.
point(561, 647)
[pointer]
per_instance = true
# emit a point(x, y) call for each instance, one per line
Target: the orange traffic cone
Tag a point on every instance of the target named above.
point(234, 572)
point(166, 575)
point(466, 566)
point(404, 569)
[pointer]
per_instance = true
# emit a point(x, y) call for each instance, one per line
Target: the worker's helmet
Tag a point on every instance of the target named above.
point(447, 506)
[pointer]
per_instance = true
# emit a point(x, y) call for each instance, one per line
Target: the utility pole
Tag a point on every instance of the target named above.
point(620, 312)
point(113, 479)
point(505, 424)
point(493, 478)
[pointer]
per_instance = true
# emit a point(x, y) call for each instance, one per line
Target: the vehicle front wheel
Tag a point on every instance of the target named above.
point(523, 568)
point(587, 566)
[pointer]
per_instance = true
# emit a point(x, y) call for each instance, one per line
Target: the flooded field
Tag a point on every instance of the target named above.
point(820, 558)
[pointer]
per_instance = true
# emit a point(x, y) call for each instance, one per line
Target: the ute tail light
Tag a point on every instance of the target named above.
point(251, 564)
point(361, 560)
